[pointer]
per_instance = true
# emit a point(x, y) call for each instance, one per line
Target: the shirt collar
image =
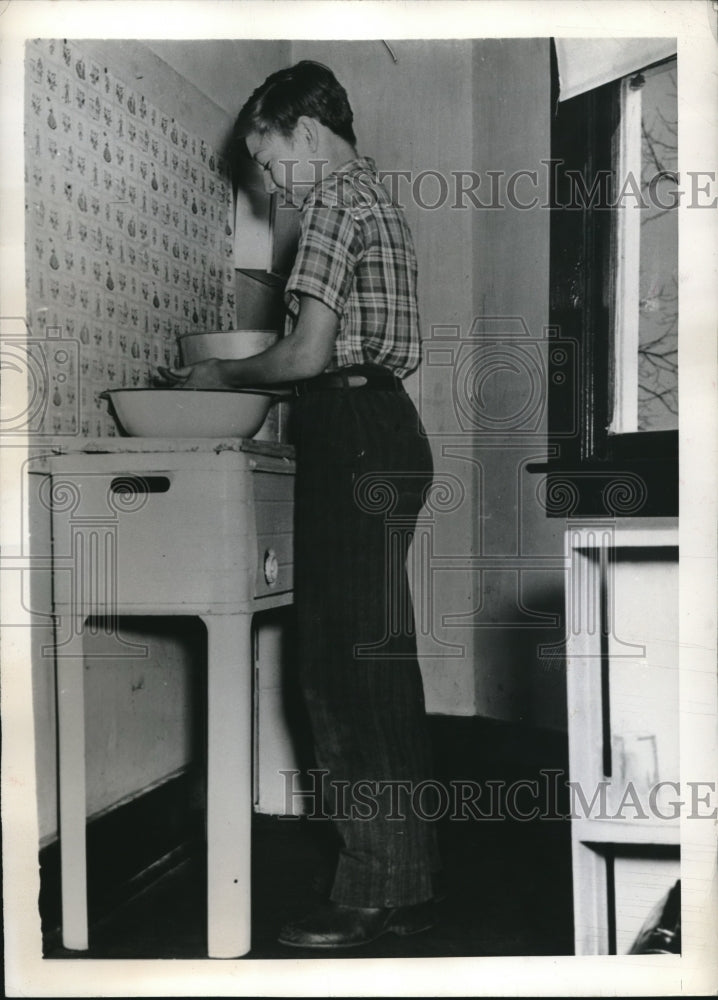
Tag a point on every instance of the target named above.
point(357, 165)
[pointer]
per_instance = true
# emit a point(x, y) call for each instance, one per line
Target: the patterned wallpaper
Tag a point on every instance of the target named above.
point(128, 237)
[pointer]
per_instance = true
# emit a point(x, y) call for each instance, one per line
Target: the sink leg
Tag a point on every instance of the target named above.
point(70, 670)
point(229, 784)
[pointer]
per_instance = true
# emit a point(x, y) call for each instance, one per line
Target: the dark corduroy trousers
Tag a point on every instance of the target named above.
point(363, 466)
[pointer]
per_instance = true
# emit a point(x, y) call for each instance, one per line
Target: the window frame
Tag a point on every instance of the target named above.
point(584, 285)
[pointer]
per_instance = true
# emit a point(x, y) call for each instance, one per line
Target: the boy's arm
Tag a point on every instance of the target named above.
point(306, 352)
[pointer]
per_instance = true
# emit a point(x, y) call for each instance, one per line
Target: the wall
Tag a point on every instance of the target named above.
point(129, 229)
point(512, 127)
point(120, 150)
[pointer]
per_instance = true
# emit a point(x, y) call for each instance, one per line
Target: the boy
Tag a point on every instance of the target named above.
point(363, 469)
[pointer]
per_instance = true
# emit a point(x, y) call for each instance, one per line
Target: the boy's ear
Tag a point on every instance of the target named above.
point(307, 129)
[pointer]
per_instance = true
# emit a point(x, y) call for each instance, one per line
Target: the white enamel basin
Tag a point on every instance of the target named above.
point(233, 344)
point(190, 413)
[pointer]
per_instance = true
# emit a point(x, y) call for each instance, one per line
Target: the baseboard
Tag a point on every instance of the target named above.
point(128, 848)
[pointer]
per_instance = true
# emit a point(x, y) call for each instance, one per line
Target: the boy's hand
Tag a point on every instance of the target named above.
point(203, 375)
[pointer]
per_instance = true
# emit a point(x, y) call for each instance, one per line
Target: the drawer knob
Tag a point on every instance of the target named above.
point(271, 567)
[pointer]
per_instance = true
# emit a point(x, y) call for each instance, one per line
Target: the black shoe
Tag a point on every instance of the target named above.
point(337, 926)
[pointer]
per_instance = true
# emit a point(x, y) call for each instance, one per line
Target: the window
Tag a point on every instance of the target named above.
point(645, 390)
point(614, 296)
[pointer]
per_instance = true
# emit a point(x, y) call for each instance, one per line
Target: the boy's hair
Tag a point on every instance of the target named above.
point(310, 89)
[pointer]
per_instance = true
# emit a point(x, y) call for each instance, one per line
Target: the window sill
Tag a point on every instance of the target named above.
point(622, 486)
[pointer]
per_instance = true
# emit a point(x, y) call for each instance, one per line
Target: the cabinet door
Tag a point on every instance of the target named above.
point(266, 227)
point(622, 683)
point(642, 691)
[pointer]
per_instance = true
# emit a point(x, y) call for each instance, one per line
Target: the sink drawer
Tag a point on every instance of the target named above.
point(135, 531)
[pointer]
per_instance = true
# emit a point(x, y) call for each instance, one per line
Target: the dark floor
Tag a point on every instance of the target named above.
point(509, 893)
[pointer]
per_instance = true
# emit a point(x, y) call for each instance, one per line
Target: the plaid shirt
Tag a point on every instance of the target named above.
point(357, 256)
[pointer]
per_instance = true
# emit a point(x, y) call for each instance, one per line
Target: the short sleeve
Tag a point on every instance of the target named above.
point(330, 248)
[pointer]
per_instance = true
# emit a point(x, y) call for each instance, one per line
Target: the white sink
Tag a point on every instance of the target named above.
point(191, 413)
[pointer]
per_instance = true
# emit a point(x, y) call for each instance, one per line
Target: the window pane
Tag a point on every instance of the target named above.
point(658, 278)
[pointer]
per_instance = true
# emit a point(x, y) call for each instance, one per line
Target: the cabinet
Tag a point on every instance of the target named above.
point(127, 541)
point(622, 683)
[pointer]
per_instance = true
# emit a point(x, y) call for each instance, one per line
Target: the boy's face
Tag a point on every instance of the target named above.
point(285, 160)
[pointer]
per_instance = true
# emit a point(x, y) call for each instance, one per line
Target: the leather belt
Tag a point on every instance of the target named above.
point(353, 377)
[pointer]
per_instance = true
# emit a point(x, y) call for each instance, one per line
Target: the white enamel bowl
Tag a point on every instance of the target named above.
point(232, 344)
point(190, 413)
